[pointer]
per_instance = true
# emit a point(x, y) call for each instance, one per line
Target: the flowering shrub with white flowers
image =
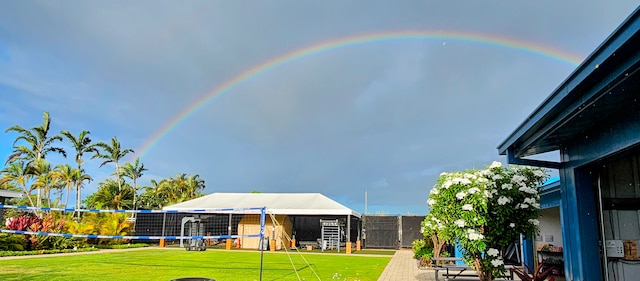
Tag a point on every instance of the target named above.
point(484, 211)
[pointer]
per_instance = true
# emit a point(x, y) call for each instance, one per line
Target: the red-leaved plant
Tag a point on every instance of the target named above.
point(538, 274)
point(22, 222)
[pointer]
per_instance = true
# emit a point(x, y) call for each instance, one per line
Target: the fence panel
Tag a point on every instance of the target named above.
point(381, 232)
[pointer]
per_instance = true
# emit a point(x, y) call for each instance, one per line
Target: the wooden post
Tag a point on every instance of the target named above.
point(162, 243)
point(357, 245)
point(228, 244)
point(348, 246)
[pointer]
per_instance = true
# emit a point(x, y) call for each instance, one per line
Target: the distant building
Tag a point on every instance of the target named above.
point(4, 196)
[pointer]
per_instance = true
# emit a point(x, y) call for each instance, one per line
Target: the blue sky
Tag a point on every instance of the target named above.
point(386, 118)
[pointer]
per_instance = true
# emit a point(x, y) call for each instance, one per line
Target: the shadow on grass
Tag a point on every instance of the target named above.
point(293, 272)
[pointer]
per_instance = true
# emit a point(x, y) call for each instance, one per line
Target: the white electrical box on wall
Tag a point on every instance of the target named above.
point(615, 248)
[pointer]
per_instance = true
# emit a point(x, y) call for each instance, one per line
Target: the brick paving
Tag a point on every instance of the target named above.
point(403, 267)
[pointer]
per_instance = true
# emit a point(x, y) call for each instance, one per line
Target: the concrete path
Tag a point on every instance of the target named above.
point(403, 267)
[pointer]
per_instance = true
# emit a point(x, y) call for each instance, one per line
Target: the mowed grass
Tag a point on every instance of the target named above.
point(165, 264)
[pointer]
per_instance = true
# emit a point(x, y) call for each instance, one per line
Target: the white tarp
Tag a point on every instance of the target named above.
point(276, 203)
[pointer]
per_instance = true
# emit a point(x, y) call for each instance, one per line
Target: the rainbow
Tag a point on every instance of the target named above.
point(351, 41)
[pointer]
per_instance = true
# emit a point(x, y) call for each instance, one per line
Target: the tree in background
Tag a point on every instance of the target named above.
point(27, 169)
point(171, 191)
point(484, 211)
point(111, 195)
point(82, 144)
point(112, 154)
point(38, 145)
point(17, 173)
point(134, 172)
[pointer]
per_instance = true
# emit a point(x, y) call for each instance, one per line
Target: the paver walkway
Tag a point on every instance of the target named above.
point(403, 267)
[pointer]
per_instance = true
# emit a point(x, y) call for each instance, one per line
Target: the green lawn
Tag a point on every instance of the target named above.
point(165, 264)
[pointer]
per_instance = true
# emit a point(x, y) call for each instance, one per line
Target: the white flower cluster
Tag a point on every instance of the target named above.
point(460, 195)
point(431, 202)
point(518, 179)
point(507, 186)
point(534, 221)
point(539, 173)
point(490, 192)
point(503, 200)
point(8, 221)
point(462, 181)
point(459, 223)
point(495, 164)
point(467, 207)
point(446, 184)
point(486, 173)
point(497, 262)
point(532, 201)
point(472, 234)
point(512, 225)
point(493, 252)
point(433, 223)
point(527, 189)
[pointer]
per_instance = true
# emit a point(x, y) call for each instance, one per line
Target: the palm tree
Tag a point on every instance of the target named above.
point(38, 139)
point(113, 154)
point(152, 197)
point(39, 144)
point(111, 195)
point(18, 173)
point(194, 185)
point(45, 180)
point(67, 175)
point(82, 144)
point(134, 172)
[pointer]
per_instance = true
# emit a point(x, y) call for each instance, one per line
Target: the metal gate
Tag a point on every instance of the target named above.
point(410, 226)
point(381, 232)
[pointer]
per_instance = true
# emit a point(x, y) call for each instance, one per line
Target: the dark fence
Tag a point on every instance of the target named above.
point(410, 230)
point(381, 232)
point(391, 232)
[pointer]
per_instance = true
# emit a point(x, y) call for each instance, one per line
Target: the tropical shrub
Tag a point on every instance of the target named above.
point(421, 248)
point(12, 242)
point(484, 211)
point(22, 222)
point(48, 223)
point(422, 252)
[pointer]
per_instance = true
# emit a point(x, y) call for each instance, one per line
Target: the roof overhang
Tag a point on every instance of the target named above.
point(603, 88)
point(10, 194)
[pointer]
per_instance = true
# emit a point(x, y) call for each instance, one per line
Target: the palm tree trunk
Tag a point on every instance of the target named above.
point(118, 177)
point(66, 199)
point(78, 198)
point(38, 198)
point(28, 194)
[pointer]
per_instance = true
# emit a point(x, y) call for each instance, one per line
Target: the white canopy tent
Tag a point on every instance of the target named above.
point(278, 204)
point(311, 204)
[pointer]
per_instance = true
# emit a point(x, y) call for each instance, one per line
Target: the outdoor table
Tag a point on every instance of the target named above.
point(457, 270)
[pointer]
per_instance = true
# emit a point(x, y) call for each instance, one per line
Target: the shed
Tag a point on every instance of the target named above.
point(4, 195)
point(280, 228)
point(592, 122)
